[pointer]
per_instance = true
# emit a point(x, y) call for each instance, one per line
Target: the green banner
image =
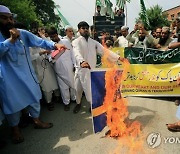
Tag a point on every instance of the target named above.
point(151, 56)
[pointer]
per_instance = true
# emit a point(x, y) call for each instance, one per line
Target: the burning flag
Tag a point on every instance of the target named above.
point(112, 110)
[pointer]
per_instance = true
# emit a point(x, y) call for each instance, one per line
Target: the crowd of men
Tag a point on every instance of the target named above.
point(28, 69)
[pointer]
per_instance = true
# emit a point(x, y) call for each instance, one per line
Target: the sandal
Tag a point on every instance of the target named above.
point(50, 106)
point(2, 144)
point(43, 125)
point(174, 127)
point(17, 136)
point(18, 140)
point(177, 102)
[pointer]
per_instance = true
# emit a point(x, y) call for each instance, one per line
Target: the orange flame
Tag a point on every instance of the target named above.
point(120, 127)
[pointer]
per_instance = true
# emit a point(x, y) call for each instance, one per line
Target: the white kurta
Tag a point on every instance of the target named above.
point(65, 75)
point(47, 76)
point(123, 42)
point(87, 51)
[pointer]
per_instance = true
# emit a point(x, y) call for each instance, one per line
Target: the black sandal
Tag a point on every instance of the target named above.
point(50, 106)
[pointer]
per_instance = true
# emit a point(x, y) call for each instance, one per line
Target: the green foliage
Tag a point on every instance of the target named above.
point(39, 12)
point(24, 9)
point(156, 17)
point(45, 11)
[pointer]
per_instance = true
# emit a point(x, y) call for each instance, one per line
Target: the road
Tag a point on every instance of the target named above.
point(73, 133)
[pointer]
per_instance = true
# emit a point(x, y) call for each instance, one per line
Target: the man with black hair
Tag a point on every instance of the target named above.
point(64, 66)
point(98, 9)
point(94, 34)
point(117, 33)
point(144, 39)
point(85, 51)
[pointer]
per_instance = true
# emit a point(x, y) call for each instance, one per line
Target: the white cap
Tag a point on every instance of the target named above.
point(165, 28)
point(68, 27)
point(124, 27)
point(4, 9)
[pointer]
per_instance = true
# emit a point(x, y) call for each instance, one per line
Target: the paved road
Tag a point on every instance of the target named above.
point(73, 133)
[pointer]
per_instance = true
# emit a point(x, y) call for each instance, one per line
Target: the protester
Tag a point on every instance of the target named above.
point(64, 66)
point(158, 32)
point(94, 34)
point(109, 44)
point(175, 127)
point(120, 13)
point(117, 33)
point(46, 76)
point(122, 41)
point(175, 43)
point(19, 87)
point(98, 11)
point(69, 33)
point(164, 40)
point(144, 39)
point(107, 36)
point(85, 50)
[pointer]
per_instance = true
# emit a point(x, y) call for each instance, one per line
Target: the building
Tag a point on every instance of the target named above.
point(173, 13)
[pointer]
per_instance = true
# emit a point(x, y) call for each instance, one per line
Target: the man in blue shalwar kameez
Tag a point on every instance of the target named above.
point(19, 87)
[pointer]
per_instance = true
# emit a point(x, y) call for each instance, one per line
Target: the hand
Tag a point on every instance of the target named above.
point(85, 64)
point(178, 80)
point(146, 32)
point(121, 59)
point(14, 34)
point(60, 46)
point(44, 52)
point(158, 46)
point(130, 45)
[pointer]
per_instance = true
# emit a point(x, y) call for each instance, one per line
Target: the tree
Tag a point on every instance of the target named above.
point(45, 11)
point(24, 9)
point(156, 17)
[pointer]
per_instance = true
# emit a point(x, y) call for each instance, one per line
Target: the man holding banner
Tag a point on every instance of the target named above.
point(85, 51)
point(175, 126)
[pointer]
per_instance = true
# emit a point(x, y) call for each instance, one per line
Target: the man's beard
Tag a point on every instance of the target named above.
point(141, 38)
point(118, 34)
point(5, 29)
point(162, 41)
point(85, 35)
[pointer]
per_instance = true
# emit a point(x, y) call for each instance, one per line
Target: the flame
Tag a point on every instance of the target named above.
point(128, 133)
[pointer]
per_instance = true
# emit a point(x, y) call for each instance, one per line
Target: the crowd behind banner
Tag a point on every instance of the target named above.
point(63, 77)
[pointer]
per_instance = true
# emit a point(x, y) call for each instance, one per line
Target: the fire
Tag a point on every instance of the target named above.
point(128, 133)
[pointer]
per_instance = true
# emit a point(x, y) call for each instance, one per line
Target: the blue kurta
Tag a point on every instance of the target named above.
point(178, 112)
point(18, 88)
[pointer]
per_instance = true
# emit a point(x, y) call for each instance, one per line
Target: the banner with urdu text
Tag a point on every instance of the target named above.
point(152, 72)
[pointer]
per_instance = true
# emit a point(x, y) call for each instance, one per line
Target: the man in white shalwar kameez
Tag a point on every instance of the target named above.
point(64, 70)
point(45, 74)
point(85, 51)
point(121, 40)
point(69, 33)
